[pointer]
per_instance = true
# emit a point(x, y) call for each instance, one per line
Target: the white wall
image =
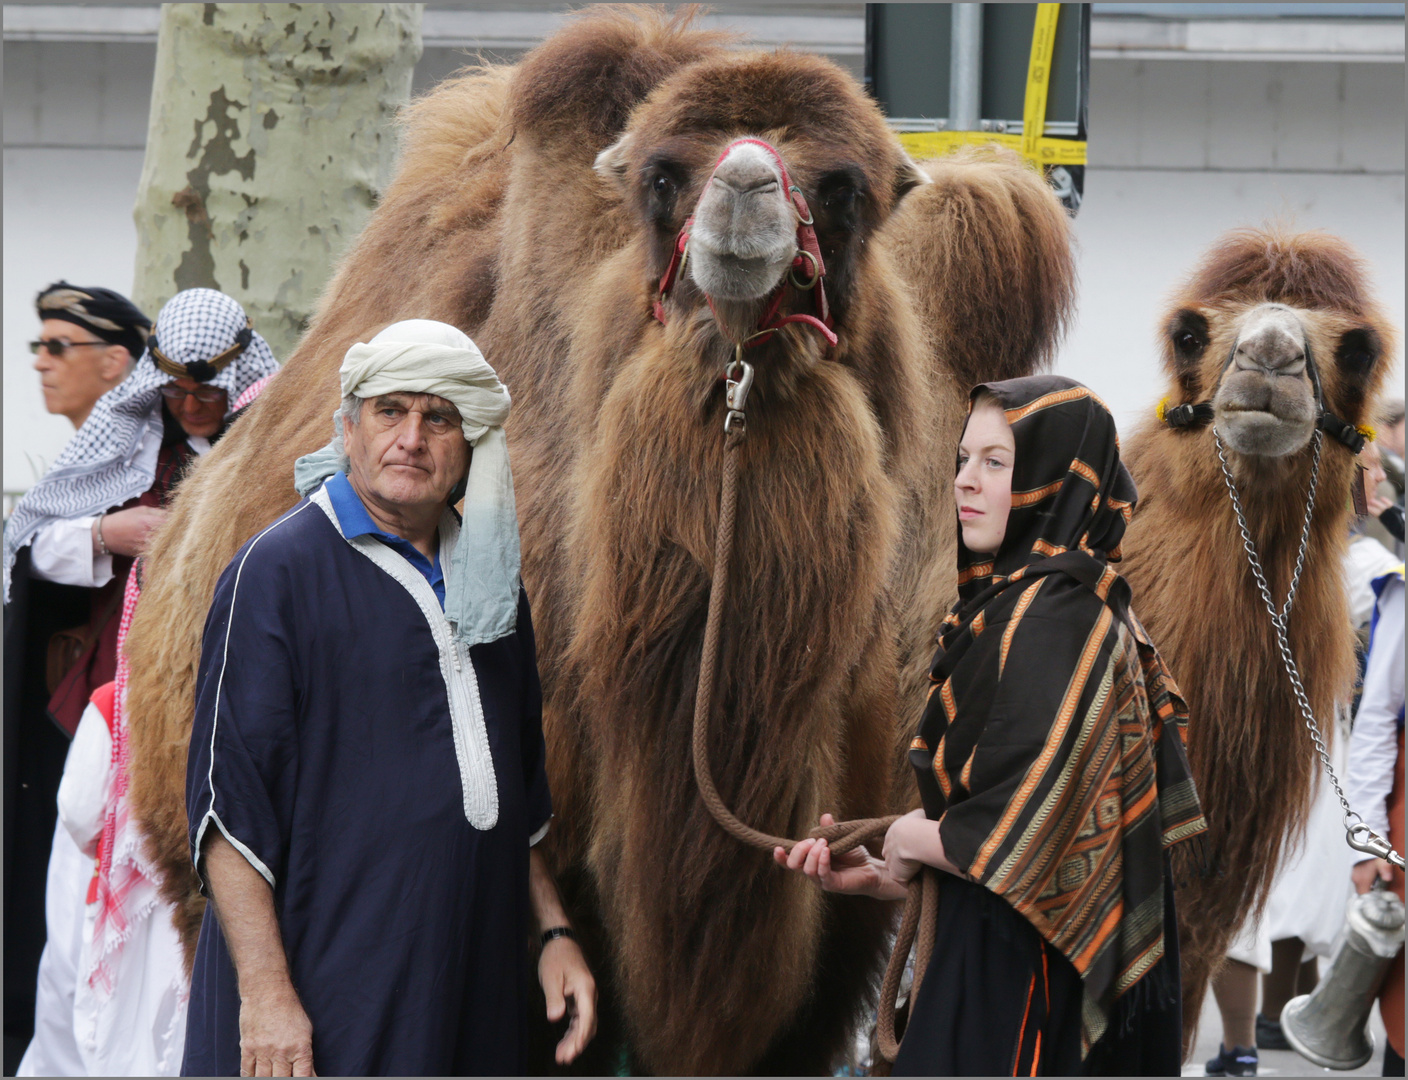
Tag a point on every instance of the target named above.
point(1184, 150)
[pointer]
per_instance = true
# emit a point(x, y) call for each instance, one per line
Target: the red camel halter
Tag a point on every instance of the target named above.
point(807, 260)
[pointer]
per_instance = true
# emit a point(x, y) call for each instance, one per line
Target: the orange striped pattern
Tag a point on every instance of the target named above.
point(1080, 468)
point(1023, 602)
point(1107, 579)
point(1046, 549)
point(1022, 1033)
point(1046, 402)
point(980, 570)
point(1048, 752)
point(1027, 498)
point(940, 772)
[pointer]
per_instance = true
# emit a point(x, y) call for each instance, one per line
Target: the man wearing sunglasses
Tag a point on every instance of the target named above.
point(69, 546)
point(88, 341)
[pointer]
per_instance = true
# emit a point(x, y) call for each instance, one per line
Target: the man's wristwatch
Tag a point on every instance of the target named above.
point(557, 932)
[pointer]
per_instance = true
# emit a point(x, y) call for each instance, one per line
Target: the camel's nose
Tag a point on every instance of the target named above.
point(745, 175)
point(1273, 342)
point(748, 168)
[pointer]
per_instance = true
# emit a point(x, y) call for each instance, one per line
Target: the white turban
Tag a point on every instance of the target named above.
point(419, 356)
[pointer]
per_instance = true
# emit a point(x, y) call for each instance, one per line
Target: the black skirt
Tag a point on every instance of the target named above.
point(997, 1000)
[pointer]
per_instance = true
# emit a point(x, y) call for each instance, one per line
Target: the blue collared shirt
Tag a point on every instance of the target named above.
point(352, 516)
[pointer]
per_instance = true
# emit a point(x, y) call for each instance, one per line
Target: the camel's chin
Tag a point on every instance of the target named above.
point(737, 279)
point(1263, 434)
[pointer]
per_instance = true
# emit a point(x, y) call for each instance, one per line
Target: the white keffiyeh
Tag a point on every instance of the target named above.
point(100, 468)
point(419, 356)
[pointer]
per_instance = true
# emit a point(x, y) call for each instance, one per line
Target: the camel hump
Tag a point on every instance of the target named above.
point(461, 116)
point(577, 89)
point(986, 251)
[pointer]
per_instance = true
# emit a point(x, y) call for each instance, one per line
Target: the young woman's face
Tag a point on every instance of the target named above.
point(983, 487)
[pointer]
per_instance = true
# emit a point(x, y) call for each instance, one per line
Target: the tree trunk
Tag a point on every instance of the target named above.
point(269, 142)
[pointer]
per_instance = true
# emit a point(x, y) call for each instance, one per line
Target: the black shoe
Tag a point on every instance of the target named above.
point(1239, 1061)
point(1269, 1035)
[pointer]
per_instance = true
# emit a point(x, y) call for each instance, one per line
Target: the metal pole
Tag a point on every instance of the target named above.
point(965, 84)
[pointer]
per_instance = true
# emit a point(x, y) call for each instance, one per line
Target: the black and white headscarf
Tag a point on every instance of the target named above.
point(100, 467)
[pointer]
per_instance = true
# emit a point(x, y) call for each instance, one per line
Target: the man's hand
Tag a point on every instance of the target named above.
point(570, 990)
point(1365, 873)
point(856, 872)
point(128, 532)
point(562, 969)
point(276, 1037)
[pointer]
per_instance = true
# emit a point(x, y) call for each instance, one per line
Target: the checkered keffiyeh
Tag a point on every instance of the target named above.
point(98, 469)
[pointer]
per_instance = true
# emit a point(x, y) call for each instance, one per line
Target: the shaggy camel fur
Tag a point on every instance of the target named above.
point(710, 959)
point(1249, 749)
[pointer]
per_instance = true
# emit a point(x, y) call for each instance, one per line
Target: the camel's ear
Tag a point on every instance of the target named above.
point(612, 162)
point(908, 176)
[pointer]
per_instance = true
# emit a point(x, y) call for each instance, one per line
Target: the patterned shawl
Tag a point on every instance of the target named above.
point(1060, 785)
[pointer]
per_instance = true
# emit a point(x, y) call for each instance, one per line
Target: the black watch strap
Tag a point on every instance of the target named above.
point(557, 932)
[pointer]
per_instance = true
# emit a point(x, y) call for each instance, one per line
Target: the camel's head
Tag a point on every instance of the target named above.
point(694, 148)
point(1266, 316)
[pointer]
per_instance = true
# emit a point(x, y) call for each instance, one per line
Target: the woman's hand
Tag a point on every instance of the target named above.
point(856, 873)
point(914, 842)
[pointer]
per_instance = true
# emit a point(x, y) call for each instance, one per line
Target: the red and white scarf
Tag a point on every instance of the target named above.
point(126, 880)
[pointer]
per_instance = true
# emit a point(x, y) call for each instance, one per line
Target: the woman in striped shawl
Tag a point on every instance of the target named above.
point(1051, 768)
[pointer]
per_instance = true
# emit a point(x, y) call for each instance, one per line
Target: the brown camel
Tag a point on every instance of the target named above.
point(1242, 334)
point(536, 207)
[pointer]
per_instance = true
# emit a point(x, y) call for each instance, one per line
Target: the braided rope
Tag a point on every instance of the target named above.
point(922, 898)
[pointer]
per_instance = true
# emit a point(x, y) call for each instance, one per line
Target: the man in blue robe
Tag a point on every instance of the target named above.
point(366, 776)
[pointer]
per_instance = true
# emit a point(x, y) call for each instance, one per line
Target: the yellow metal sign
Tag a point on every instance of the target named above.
point(1039, 149)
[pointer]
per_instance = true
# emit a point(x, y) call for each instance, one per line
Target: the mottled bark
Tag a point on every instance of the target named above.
point(269, 142)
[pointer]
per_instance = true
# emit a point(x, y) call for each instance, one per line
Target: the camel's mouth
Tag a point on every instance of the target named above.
point(729, 275)
point(1265, 404)
point(1265, 424)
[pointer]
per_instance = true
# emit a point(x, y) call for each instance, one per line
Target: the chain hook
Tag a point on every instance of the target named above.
point(738, 380)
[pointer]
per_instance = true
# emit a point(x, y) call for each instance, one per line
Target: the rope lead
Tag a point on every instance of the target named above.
point(922, 900)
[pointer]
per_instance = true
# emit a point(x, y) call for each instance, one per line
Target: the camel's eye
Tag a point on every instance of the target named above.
point(839, 193)
point(1358, 350)
point(1189, 333)
point(662, 185)
point(842, 199)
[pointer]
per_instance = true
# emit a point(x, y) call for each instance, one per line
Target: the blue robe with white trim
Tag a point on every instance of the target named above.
point(387, 782)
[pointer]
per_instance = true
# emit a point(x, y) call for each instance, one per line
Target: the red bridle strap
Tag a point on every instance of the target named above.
point(808, 260)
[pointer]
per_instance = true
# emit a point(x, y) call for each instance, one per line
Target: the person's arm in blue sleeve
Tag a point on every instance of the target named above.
point(241, 781)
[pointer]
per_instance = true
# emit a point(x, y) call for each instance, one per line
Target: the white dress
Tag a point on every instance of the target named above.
point(136, 1025)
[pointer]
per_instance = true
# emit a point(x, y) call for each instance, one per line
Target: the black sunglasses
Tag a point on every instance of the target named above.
point(59, 346)
point(207, 394)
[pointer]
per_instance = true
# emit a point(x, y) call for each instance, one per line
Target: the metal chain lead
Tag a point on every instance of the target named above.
point(1372, 843)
